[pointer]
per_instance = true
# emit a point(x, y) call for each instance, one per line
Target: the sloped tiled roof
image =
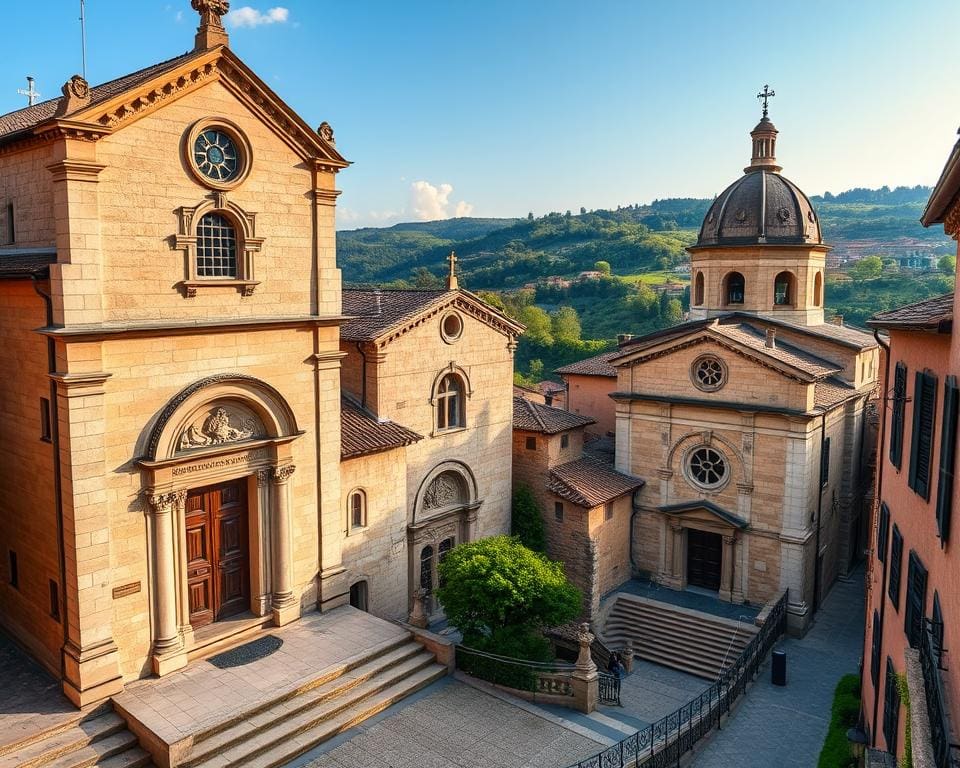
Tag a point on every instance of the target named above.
point(934, 314)
point(27, 118)
point(598, 365)
point(361, 433)
point(589, 482)
point(377, 311)
point(831, 392)
point(22, 265)
point(756, 339)
point(545, 419)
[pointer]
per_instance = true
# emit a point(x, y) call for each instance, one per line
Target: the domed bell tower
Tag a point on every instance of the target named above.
point(760, 249)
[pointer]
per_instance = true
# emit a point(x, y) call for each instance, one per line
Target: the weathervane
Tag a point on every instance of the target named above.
point(766, 94)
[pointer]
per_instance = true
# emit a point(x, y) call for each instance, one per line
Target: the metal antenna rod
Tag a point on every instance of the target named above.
point(83, 41)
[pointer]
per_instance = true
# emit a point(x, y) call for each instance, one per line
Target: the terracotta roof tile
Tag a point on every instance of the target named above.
point(377, 311)
point(756, 339)
point(831, 392)
point(361, 433)
point(545, 419)
point(27, 118)
point(23, 265)
point(934, 314)
point(589, 482)
point(598, 365)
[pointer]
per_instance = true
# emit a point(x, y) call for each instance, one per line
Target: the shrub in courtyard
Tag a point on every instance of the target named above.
point(526, 521)
point(500, 594)
point(843, 716)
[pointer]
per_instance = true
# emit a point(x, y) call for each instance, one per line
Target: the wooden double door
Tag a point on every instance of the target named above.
point(704, 558)
point(218, 552)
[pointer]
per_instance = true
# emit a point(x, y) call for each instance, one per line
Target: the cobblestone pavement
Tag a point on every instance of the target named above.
point(452, 724)
point(30, 699)
point(651, 691)
point(785, 727)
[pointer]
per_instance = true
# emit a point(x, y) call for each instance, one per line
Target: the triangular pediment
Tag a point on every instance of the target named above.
point(139, 97)
point(463, 301)
point(704, 511)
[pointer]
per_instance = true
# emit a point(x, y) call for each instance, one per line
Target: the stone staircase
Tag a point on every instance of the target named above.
point(278, 730)
point(691, 641)
point(97, 738)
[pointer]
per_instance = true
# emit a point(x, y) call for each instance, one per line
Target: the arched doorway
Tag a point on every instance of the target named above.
point(215, 470)
point(445, 514)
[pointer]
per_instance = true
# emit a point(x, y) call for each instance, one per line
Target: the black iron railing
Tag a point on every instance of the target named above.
point(609, 689)
point(534, 676)
point(945, 752)
point(667, 740)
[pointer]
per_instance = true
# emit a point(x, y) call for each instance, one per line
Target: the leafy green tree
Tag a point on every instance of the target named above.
point(583, 211)
point(424, 278)
point(535, 370)
point(526, 522)
point(538, 324)
point(867, 268)
point(602, 266)
point(501, 594)
point(673, 313)
point(530, 216)
point(565, 323)
point(947, 263)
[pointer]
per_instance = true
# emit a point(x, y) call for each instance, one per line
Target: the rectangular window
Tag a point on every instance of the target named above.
point(45, 419)
point(883, 531)
point(608, 511)
point(558, 511)
point(916, 600)
point(921, 441)
point(565, 440)
point(875, 650)
point(897, 415)
point(531, 443)
point(948, 455)
point(896, 558)
point(13, 576)
point(11, 228)
point(825, 463)
point(891, 708)
point(54, 600)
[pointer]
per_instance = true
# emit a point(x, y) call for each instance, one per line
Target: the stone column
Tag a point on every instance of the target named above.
point(167, 647)
point(675, 575)
point(180, 538)
point(285, 607)
point(726, 567)
point(585, 679)
point(262, 569)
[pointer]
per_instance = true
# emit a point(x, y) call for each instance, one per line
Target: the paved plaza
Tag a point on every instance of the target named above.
point(774, 726)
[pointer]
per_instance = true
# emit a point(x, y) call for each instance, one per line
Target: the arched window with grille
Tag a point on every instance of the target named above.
point(216, 247)
point(783, 289)
point(734, 288)
point(450, 403)
point(698, 289)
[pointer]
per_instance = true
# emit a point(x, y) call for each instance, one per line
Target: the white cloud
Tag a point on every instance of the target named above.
point(430, 203)
point(348, 217)
point(179, 16)
point(245, 16)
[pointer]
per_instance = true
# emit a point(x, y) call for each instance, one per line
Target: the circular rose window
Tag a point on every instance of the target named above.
point(707, 467)
point(708, 373)
point(451, 327)
point(217, 153)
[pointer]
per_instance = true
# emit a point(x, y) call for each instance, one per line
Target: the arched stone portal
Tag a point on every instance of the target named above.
point(215, 471)
point(444, 515)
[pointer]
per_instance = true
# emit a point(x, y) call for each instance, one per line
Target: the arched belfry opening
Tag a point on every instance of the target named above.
point(215, 467)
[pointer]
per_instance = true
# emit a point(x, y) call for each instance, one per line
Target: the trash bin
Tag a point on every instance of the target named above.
point(778, 670)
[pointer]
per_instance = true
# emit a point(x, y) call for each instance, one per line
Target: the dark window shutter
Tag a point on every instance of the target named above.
point(896, 419)
point(875, 650)
point(883, 532)
point(948, 448)
point(937, 628)
point(916, 600)
point(825, 463)
point(921, 441)
point(896, 558)
point(891, 708)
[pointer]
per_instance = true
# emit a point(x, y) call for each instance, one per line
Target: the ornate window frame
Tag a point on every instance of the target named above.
point(435, 398)
point(697, 483)
point(695, 367)
point(451, 334)
point(248, 244)
point(240, 140)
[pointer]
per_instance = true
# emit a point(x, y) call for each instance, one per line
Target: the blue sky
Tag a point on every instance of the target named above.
point(500, 108)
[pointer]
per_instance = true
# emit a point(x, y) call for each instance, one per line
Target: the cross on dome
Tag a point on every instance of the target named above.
point(766, 94)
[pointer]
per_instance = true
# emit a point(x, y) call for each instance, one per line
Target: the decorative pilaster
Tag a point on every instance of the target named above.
point(285, 606)
point(262, 571)
point(726, 567)
point(168, 652)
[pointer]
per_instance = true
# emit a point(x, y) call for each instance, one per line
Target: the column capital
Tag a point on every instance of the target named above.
point(162, 502)
point(282, 474)
point(263, 477)
point(729, 539)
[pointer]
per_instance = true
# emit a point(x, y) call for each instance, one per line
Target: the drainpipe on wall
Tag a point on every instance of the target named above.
point(363, 373)
point(57, 487)
point(877, 502)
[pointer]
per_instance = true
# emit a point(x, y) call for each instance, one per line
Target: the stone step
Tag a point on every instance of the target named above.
point(287, 738)
point(372, 653)
point(709, 664)
point(408, 657)
point(663, 614)
point(78, 719)
point(690, 666)
point(282, 753)
point(45, 750)
point(132, 758)
point(645, 637)
point(620, 626)
point(97, 752)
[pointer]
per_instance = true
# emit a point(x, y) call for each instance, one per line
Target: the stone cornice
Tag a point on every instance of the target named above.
point(102, 331)
point(76, 170)
point(80, 384)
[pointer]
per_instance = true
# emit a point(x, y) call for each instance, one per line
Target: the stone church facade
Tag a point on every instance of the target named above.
point(187, 432)
point(747, 422)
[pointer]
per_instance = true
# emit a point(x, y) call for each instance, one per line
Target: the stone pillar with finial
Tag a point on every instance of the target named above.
point(452, 276)
point(210, 33)
point(585, 679)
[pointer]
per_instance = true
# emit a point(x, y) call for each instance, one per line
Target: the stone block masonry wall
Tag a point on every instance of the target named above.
point(26, 183)
point(28, 523)
point(613, 544)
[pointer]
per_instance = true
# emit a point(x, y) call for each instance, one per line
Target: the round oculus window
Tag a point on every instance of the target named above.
point(451, 327)
point(216, 155)
point(708, 373)
point(708, 467)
